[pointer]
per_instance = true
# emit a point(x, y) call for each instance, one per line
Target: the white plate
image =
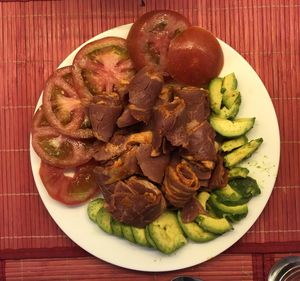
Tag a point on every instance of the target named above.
point(263, 167)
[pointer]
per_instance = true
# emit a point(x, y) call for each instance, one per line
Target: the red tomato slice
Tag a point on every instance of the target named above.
point(149, 37)
point(195, 57)
point(69, 190)
point(62, 106)
point(57, 149)
point(102, 66)
point(39, 121)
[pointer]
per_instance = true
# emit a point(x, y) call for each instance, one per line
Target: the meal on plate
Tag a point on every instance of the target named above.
point(146, 131)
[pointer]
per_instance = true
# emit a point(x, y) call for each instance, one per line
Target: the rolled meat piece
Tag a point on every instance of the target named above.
point(103, 115)
point(144, 89)
point(203, 173)
point(135, 201)
point(180, 183)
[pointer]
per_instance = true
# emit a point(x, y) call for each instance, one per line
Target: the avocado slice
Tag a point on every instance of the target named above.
point(103, 220)
point(166, 233)
point(139, 235)
point(242, 153)
point(116, 228)
point(202, 198)
point(127, 233)
point(238, 172)
point(233, 213)
point(230, 97)
point(247, 187)
point(215, 94)
point(230, 113)
point(214, 225)
point(234, 143)
point(194, 232)
point(229, 196)
point(229, 82)
point(149, 239)
point(93, 208)
point(231, 128)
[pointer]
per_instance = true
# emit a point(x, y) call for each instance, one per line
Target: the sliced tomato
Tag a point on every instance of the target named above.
point(60, 150)
point(102, 66)
point(62, 106)
point(66, 189)
point(149, 37)
point(195, 57)
point(39, 121)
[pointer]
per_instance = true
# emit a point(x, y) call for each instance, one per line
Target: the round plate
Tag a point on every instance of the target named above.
point(263, 166)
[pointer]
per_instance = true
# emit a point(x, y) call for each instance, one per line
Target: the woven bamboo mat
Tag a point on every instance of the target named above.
point(222, 268)
point(35, 36)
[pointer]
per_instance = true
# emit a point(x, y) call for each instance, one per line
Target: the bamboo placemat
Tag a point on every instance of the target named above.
point(35, 36)
point(222, 268)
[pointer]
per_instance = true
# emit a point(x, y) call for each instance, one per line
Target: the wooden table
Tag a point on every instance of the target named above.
point(35, 36)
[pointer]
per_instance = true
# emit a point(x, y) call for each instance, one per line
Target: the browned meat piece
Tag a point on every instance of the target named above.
point(166, 147)
point(191, 210)
point(166, 94)
point(201, 143)
point(126, 119)
point(112, 149)
point(178, 136)
point(103, 115)
point(180, 183)
point(202, 172)
point(139, 113)
point(165, 116)
point(196, 111)
point(135, 201)
point(152, 167)
point(119, 144)
point(219, 177)
point(203, 183)
point(140, 138)
point(176, 119)
point(197, 103)
point(121, 168)
point(144, 89)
